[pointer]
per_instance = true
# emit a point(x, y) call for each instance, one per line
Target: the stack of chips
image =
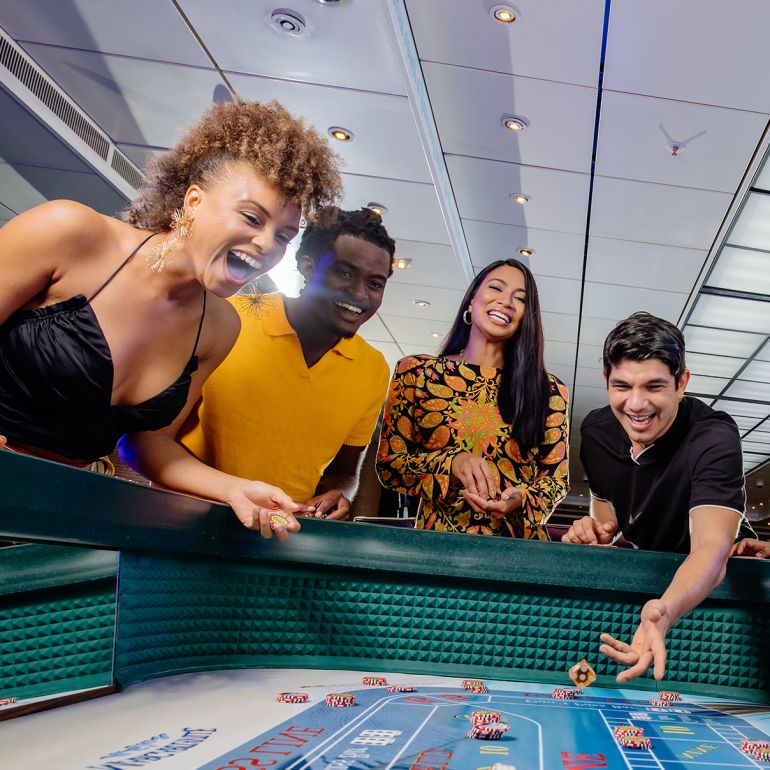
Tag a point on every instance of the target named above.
point(375, 681)
point(491, 731)
point(292, 697)
point(758, 749)
point(340, 699)
point(634, 742)
point(660, 702)
point(669, 696)
point(400, 688)
point(475, 686)
point(622, 731)
point(565, 693)
point(485, 717)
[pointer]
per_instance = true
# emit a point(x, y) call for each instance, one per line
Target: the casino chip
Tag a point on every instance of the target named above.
point(375, 681)
point(278, 520)
point(659, 702)
point(582, 674)
point(762, 753)
point(492, 731)
point(634, 742)
point(340, 699)
point(625, 730)
point(468, 682)
point(565, 693)
point(669, 696)
point(400, 688)
point(485, 717)
point(757, 749)
point(7, 701)
point(292, 697)
point(475, 686)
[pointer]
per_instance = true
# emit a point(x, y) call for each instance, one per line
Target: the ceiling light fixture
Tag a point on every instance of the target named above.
point(519, 198)
point(435, 335)
point(503, 13)
point(525, 252)
point(340, 134)
point(402, 263)
point(514, 123)
point(377, 208)
point(288, 22)
point(421, 302)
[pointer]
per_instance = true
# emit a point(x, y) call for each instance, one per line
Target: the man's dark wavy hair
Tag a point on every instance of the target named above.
point(645, 337)
point(332, 222)
point(524, 389)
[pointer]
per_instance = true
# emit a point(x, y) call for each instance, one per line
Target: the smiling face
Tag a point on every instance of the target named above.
point(644, 397)
point(497, 307)
point(241, 228)
point(345, 285)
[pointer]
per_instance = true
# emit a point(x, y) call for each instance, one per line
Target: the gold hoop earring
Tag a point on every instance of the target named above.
point(181, 229)
point(467, 317)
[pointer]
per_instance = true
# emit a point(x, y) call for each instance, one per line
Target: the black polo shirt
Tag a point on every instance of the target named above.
point(698, 461)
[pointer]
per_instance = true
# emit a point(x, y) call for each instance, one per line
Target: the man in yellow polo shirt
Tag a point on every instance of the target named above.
point(296, 401)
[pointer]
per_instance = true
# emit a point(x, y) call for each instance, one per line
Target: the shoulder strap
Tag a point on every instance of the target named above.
point(200, 325)
point(120, 267)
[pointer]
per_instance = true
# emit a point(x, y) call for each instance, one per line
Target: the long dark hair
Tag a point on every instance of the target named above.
point(524, 391)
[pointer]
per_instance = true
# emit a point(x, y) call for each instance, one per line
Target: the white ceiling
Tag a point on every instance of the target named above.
point(616, 221)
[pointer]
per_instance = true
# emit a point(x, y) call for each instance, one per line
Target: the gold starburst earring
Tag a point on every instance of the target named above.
point(181, 229)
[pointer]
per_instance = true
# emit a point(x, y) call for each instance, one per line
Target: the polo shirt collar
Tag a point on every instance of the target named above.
point(277, 324)
point(668, 441)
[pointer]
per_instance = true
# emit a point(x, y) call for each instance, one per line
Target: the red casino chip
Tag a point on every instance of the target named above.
point(564, 693)
point(621, 731)
point(375, 681)
point(340, 699)
point(400, 688)
point(635, 742)
point(292, 697)
point(670, 696)
point(488, 732)
point(478, 688)
point(762, 753)
point(485, 717)
point(748, 745)
point(468, 682)
point(659, 702)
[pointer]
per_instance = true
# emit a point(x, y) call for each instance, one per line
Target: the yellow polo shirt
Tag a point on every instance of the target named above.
point(265, 415)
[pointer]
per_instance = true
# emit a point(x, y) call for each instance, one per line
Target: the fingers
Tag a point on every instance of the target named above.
point(582, 531)
point(476, 475)
point(477, 503)
point(342, 511)
point(637, 670)
point(3, 441)
point(618, 651)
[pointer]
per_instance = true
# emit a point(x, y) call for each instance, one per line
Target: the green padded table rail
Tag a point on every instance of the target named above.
point(197, 591)
point(57, 618)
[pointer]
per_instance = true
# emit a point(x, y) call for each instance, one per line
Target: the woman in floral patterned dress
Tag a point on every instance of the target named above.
point(480, 431)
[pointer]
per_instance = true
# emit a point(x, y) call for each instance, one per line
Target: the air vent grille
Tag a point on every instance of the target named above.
point(33, 79)
point(123, 166)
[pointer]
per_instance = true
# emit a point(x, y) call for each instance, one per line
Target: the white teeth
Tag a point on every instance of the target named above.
point(646, 418)
point(501, 316)
point(351, 308)
point(250, 261)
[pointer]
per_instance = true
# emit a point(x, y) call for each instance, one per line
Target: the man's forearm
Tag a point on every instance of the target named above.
point(701, 572)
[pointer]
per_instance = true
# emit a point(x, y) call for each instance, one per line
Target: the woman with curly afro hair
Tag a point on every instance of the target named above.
point(110, 327)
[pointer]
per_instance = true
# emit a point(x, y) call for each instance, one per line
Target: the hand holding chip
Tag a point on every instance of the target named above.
point(476, 474)
point(647, 647)
point(498, 507)
point(331, 504)
point(254, 502)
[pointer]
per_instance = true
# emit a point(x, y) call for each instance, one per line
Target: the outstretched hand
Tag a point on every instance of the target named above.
point(255, 501)
point(647, 647)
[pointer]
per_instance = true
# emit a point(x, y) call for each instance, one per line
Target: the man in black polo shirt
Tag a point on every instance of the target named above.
point(665, 472)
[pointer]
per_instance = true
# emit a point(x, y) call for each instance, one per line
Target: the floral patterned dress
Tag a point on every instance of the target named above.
point(437, 408)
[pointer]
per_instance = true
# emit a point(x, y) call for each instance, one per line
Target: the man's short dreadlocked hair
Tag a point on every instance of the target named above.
point(332, 222)
point(291, 157)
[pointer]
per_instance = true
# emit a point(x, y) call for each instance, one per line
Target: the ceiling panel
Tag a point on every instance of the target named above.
point(413, 209)
point(752, 229)
point(560, 327)
point(462, 32)
point(416, 334)
point(654, 213)
point(631, 263)
point(560, 117)
point(385, 142)
point(433, 264)
point(603, 300)
point(561, 353)
point(133, 100)
point(483, 190)
point(145, 29)
point(345, 45)
point(593, 330)
point(557, 254)
point(374, 330)
point(391, 351)
point(399, 301)
point(681, 51)
point(717, 143)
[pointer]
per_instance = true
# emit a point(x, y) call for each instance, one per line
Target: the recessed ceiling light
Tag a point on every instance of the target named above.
point(504, 13)
point(519, 198)
point(525, 252)
point(421, 302)
point(377, 208)
point(288, 22)
point(513, 123)
point(402, 263)
point(340, 134)
point(435, 335)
